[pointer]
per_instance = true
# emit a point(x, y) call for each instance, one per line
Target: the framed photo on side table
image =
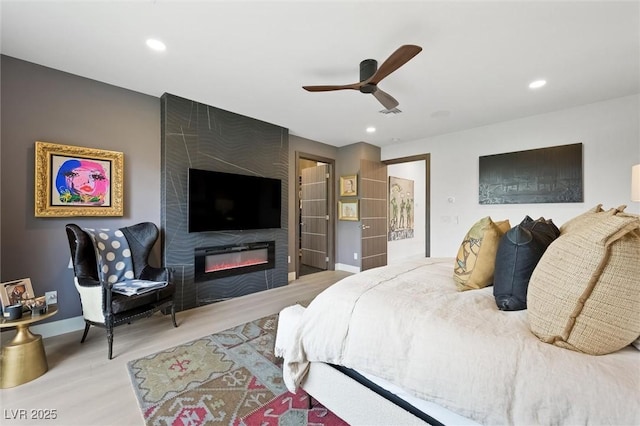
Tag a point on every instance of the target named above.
point(77, 181)
point(14, 292)
point(348, 210)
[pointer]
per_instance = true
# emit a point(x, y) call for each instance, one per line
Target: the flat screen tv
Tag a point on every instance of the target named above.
point(225, 201)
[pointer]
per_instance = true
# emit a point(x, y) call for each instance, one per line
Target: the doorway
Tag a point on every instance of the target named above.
point(424, 163)
point(315, 217)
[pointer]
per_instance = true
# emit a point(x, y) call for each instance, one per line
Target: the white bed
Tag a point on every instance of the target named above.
point(408, 325)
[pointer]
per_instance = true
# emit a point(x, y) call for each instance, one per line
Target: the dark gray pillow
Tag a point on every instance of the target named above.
point(519, 251)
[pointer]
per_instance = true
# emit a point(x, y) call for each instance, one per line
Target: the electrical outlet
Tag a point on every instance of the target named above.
point(355, 256)
point(51, 297)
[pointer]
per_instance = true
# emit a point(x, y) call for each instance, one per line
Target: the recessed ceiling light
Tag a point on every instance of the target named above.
point(371, 129)
point(156, 45)
point(537, 84)
point(441, 114)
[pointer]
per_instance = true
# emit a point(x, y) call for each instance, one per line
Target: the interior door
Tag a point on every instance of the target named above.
point(314, 217)
point(373, 214)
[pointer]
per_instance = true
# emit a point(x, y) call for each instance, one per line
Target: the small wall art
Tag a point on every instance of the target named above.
point(77, 181)
point(348, 210)
point(349, 185)
point(545, 175)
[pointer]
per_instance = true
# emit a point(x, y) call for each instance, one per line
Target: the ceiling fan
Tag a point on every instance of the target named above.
point(371, 75)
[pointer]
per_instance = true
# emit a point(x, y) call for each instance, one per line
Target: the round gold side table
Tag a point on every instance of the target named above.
point(23, 359)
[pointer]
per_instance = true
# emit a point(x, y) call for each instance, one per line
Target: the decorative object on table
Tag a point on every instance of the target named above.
point(12, 312)
point(37, 305)
point(14, 292)
point(348, 210)
point(349, 186)
point(545, 175)
point(235, 369)
point(94, 279)
point(52, 296)
point(401, 208)
point(77, 181)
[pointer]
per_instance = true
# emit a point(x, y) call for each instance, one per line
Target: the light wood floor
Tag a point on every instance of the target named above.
point(87, 389)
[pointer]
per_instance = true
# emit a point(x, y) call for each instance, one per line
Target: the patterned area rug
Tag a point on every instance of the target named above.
point(228, 378)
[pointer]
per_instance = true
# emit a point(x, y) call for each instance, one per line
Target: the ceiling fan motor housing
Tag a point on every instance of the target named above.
point(368, 68)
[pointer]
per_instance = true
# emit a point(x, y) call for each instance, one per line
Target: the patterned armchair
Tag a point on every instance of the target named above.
point(103, 257)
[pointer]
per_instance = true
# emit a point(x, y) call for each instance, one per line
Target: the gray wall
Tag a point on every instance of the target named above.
point(608, 130)
point(348, 233)
point(42, 104)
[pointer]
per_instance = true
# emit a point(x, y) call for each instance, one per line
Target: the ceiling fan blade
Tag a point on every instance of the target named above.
point(354, 86)
point(397, 59)
point(385, 99)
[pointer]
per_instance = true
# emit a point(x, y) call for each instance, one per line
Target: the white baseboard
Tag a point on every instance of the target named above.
point(56, 328)
point(347, 268)
point(291, 276)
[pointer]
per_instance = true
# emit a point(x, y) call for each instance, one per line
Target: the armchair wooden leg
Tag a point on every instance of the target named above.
point(110, 340)
point(86, 330)
point(173, 314)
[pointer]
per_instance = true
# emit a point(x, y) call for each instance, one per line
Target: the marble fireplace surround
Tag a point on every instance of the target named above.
point(195, 135)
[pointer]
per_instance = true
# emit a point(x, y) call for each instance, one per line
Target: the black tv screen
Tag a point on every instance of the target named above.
point(225, 201)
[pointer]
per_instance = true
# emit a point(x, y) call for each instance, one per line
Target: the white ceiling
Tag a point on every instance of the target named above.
point(252, 57)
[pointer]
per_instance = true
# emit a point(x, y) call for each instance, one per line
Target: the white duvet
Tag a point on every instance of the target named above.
point(408, 324)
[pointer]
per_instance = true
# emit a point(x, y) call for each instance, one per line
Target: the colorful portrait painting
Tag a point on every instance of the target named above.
point(81, 181)
point(77, 181)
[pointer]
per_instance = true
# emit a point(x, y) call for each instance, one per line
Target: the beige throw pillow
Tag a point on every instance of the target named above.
point(593, 214)
point(476, 257)
point(584, 293)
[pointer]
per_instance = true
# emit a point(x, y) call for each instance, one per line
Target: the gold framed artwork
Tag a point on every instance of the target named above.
point(77, 181)
point(348, 185)
point(17, 291)
point(348, 210)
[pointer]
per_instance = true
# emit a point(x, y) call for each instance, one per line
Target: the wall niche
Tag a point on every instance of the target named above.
point(195, 135)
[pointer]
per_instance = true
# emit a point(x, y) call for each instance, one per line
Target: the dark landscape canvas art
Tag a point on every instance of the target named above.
point(544, 175)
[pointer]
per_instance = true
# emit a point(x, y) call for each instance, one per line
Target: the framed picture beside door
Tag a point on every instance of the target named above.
point(349, 186)
point(348, 210)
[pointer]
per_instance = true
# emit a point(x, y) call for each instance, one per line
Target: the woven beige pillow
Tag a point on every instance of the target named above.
point(476, 257)
point(593, 214)
point(584, 293)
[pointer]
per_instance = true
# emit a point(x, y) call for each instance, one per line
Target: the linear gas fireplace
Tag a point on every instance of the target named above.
point(224, 261)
